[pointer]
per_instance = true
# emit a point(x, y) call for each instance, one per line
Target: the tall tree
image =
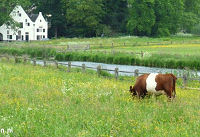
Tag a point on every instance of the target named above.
point(54, 11)
point(6, 6)
point(141, 17)
point(116, 12)
point(191, 15)
point(84, 17)
point(168, 17)
point(155, 17)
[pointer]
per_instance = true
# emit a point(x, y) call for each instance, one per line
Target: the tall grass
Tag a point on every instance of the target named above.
point(36, 101)
point(154, 60)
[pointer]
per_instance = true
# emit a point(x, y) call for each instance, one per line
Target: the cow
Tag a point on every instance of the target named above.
point(154, 83)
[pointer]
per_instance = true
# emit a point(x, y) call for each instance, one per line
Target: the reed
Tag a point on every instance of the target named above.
point(154, 60)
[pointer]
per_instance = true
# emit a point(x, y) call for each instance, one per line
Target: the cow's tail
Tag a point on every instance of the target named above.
point(174, 85)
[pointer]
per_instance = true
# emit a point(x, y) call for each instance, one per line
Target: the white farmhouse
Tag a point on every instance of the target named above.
point(32, 27)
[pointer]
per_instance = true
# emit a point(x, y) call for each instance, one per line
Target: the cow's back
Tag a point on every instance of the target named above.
point(164, 81)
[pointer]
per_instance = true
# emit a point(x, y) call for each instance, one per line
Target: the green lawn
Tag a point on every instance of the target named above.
point(37, 101)
point(179, 45)
point(175, 52)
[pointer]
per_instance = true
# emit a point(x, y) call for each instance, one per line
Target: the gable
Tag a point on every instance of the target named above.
point(19, 15)
point(33, 17)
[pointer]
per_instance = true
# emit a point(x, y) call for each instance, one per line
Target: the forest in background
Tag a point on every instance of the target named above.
point(91, 18)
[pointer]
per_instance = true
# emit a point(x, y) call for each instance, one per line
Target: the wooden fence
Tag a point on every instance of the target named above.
point(116, 71)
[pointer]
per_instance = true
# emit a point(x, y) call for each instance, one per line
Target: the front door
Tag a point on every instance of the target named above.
point(1, 37)
point(27, 36)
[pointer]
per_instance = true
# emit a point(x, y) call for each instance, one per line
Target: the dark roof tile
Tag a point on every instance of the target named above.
point(33, 17)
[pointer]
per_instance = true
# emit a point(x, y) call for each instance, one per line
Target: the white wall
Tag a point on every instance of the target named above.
point(41, 23)
point(31, 29)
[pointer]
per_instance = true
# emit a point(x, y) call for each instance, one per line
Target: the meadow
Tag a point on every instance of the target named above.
point(38, 101)
point(169, 52)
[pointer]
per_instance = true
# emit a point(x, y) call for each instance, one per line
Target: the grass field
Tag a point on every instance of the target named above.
point(179, 45)
point(37, 101)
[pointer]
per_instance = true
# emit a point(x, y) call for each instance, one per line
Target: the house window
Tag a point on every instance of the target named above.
point(20, 14)
point(25, 20)
point(34, 25)
point(39, 30)
point(21, 25)
point(43, 30)
point(40, 20)
point(27, 24)
point(39, 37)
point(43, 36)
point(19, 34)
point(7, 31)
point(9, 36)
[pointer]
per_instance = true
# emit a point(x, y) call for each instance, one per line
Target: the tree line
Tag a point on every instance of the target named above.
point(90, 18)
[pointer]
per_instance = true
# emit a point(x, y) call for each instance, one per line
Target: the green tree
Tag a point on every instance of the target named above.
point(155, 17)
point(168, 17)
point(191, 16)
point(84, 17)
point(141, 17)
point(54, 11)
point(6, 6)
point(116, 12)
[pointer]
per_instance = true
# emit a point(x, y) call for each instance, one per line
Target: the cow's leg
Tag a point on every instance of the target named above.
point(144, 93)
point(169, 93)
point(139, 93)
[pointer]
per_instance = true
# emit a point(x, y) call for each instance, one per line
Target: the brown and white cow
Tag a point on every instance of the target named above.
point(154, 83)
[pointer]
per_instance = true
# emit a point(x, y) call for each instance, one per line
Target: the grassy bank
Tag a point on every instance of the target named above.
point(175, 52)
point(37, 101)
point(151, 60)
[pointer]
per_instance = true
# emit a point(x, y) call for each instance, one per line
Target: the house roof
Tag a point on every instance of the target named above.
point(33, 17)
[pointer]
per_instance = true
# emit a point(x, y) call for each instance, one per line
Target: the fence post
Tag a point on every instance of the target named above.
point(7, 57)
point(83, 68)
point(101, 45)
point(116, 73)
point(34, 62)
point(184, 80)
point(98, 70)
point(56, 63)
point(124, 44)
point(67, 47)
point(113, 51)
point(69, 66)
point(45, 62)
point(136, 73)
point(142, 54)
point(16, 59)
point(112, 45)
point(25, 60)
point(199, 81)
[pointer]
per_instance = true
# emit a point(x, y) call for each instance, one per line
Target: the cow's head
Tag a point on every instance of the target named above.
point(132, 91)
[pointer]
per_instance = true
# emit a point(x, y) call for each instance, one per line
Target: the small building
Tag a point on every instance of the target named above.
point(32, 27)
